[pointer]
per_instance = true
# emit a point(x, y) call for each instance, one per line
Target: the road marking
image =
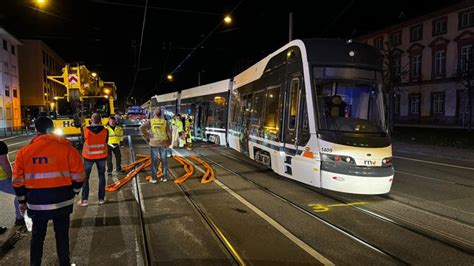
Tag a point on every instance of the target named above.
point(14, 137)
point(214, 226)
point(271, 221)
point(12, 144)
point(425, 177)
point(13, 151)
point(324, 208)
point(430, 162)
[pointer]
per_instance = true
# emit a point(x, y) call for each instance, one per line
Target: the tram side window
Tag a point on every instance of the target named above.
point(236, 114)
point(272, 113)
point(295, 85)
point(257, 105)
point(257, 112)
point(217, 112)
point(304, 122)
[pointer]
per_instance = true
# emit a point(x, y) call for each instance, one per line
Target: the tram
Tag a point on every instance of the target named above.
point(311, 111)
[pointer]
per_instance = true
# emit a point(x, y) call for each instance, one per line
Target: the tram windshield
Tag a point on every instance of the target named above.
point(350, 106)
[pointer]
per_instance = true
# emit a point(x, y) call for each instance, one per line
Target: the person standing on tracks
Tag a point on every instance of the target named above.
point(6, 184)
point(174, 132)
point(157, 131)
point(94, 151)
point(115, 138)
point(48, 173)
point(180, 127)
point(189, 126)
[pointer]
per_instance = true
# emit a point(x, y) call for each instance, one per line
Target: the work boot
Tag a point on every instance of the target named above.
point(19, 222)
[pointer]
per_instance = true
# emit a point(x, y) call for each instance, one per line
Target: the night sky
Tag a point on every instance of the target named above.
point(100, 33)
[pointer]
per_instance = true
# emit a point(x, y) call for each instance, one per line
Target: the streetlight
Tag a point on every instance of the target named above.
point(40, 3)
point(170, 77)
point(227, 19)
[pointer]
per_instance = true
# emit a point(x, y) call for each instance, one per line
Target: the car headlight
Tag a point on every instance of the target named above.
point(58, 132)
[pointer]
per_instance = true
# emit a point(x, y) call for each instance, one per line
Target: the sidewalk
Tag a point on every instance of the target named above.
point(99, 234)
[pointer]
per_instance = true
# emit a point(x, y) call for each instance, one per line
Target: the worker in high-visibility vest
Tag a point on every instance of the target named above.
point(189, 141)
point(115, 138)
point(6, 184)
point(157, 131)
point(174, 132)
point(48, 172)
point(180, 127)
point(94, 151)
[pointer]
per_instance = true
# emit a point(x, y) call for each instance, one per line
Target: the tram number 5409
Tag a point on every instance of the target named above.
point(328, 150)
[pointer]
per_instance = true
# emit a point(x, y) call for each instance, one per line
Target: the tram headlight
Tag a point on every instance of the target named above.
point(387, 162)
point(337, 158)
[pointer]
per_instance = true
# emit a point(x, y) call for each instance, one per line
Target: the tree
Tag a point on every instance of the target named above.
point(393, 74)
point(465, 76)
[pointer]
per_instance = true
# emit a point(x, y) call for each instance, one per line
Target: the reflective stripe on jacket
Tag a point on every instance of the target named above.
point(46, 174)
point(95, 145)
point(115, 135)
point(158, 129)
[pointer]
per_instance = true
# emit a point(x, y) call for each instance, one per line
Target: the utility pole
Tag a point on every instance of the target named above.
point(290, 28)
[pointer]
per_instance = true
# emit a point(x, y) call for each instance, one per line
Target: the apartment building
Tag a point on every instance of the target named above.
point(37, 61)
point(431, 51)
point(10, 108)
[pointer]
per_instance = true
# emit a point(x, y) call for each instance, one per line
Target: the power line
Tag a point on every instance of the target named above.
point(203, 40)
point(156, 7)
point(336, 18)
point(139, 50)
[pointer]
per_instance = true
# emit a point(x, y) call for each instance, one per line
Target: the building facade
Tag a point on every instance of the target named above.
point(10, 108)
point(430, 53)
point(37, 61)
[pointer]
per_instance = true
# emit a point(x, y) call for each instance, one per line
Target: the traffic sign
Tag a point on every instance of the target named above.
point(72, 79)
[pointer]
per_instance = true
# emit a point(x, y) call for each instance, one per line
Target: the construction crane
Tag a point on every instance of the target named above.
point(85, 94)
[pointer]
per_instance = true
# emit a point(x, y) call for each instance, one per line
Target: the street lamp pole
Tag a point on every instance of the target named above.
point(290, 27)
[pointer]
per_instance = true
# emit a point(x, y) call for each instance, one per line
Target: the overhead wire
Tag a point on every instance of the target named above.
point(203, 40)
point(139, 50)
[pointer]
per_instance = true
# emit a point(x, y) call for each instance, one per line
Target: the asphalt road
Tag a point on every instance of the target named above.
point(426, 219)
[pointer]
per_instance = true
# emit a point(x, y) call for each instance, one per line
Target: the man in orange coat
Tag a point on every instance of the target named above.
point(95, 151)
point(48, 173)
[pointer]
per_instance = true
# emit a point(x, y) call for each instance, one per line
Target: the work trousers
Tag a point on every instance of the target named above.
point(118, 159)
point(162, 153)
point(101, 170)
point(61, 230)
point(6, 186)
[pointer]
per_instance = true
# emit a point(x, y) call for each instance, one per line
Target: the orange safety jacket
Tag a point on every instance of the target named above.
point(95, 144)
point(47, 174)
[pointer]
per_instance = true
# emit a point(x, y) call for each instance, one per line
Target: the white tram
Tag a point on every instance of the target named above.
point(312, 111)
